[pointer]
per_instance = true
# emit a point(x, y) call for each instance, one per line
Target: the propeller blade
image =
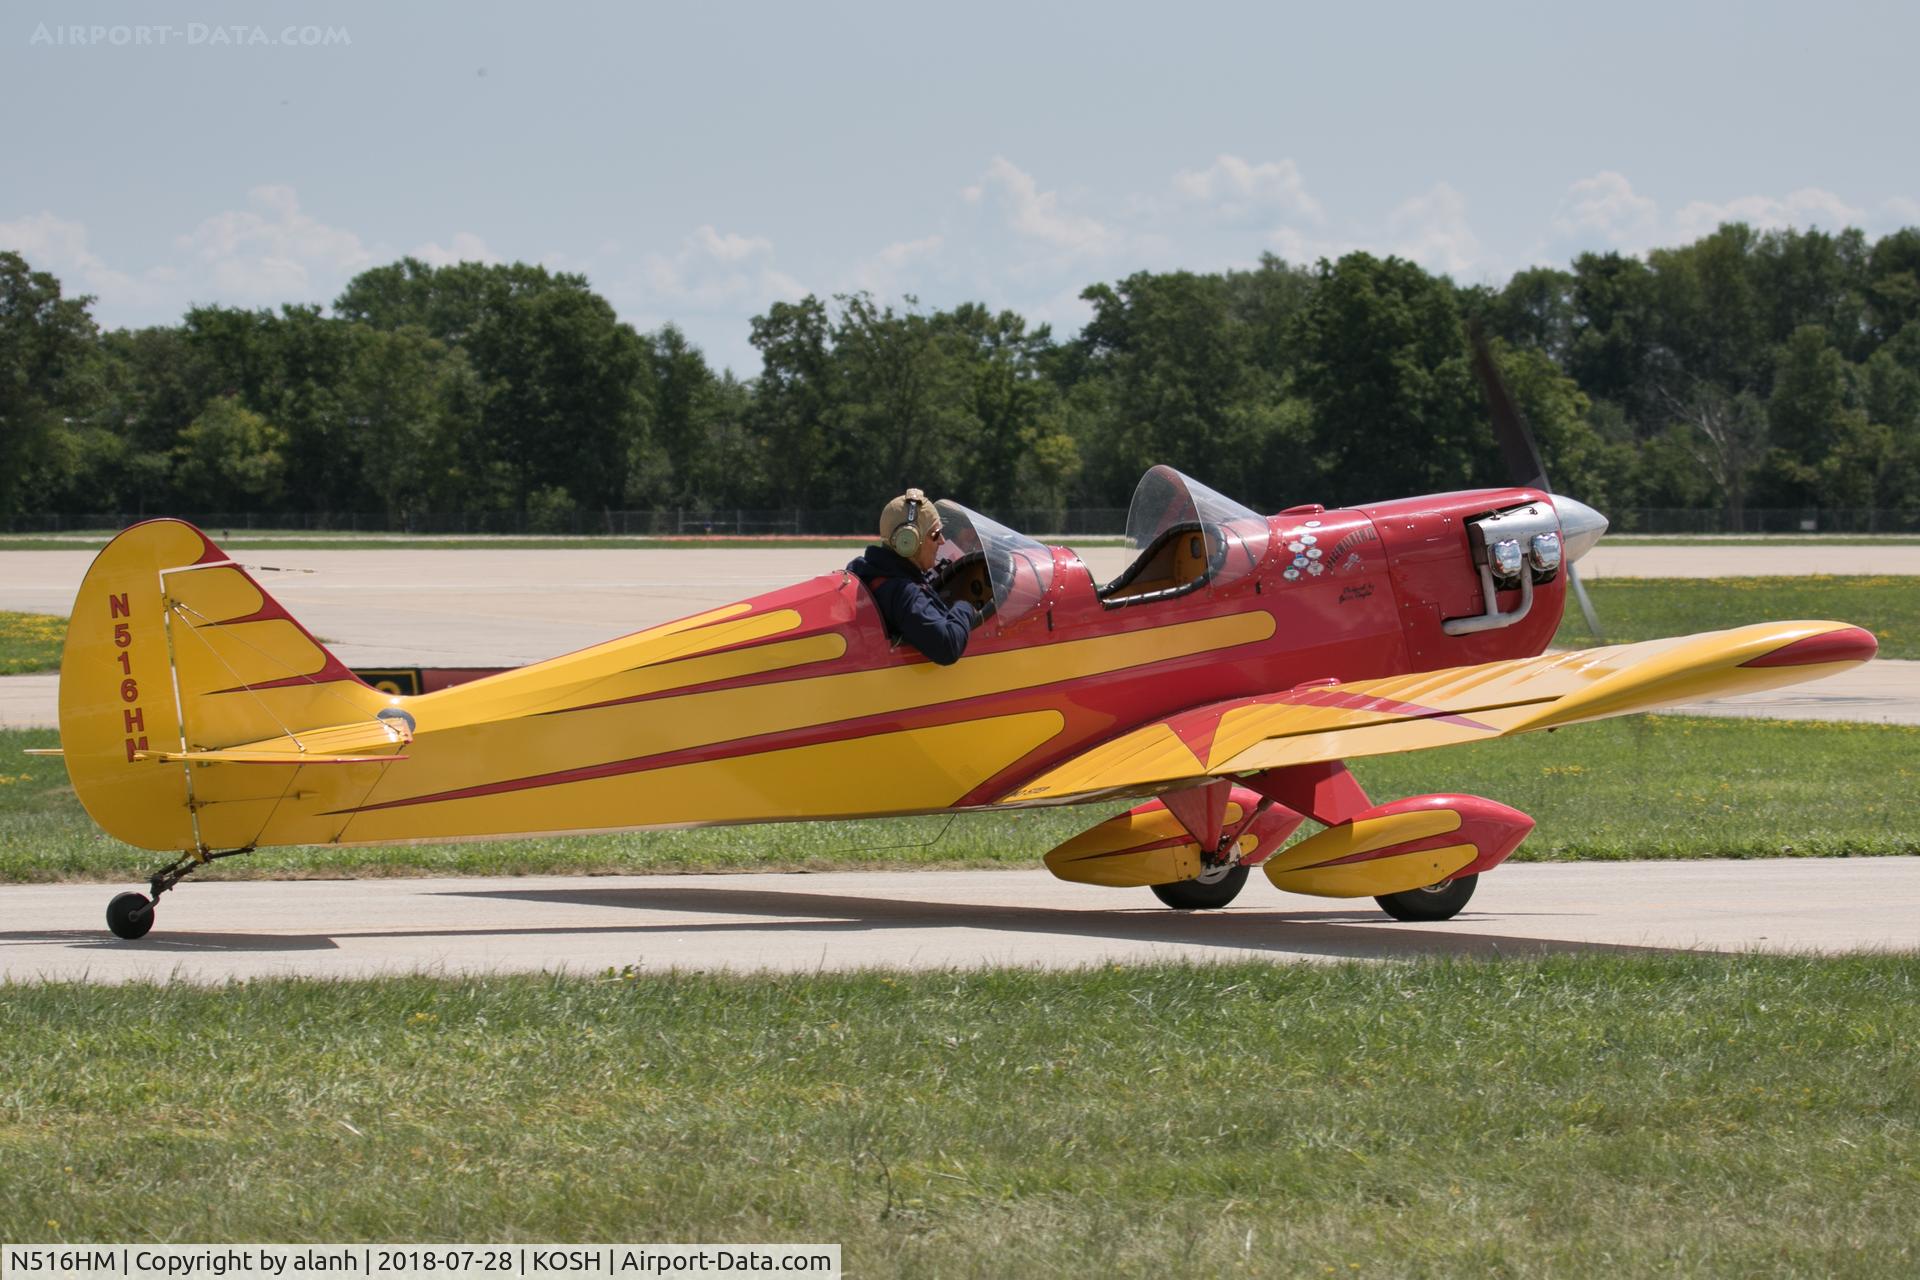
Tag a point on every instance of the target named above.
point(1509, 428)
point(1586, 603)
point(1521, 454)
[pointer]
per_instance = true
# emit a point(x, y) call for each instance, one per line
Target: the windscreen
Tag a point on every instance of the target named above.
point(1020, 569)
point(1236, 537)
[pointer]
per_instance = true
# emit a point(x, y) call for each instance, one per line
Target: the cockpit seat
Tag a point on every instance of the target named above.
point(1174, 564)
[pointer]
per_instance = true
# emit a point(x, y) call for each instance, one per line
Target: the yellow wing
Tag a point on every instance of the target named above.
point(1332, 721)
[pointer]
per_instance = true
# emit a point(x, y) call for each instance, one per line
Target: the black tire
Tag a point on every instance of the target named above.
point(130, 915)
point(1441, 901)
point(1192, 895)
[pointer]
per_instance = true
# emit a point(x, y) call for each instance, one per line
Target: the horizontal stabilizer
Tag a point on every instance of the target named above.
point(338, 744)
point(256, 757)
point(43, 751)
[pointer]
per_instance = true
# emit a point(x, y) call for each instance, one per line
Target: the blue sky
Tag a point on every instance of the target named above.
point(699, 165)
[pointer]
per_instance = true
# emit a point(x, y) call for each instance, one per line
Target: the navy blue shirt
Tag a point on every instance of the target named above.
point(910, 608)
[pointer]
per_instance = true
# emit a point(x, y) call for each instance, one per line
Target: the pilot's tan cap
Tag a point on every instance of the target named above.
point(926, 519)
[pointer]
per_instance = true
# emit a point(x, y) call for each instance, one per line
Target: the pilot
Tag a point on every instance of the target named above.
point(898, 572)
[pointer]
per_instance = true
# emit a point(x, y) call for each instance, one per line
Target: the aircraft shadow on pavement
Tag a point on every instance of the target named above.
point(1324, 933)
point(173, 941)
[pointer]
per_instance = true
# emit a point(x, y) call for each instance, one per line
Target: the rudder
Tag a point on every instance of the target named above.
point(172, 647)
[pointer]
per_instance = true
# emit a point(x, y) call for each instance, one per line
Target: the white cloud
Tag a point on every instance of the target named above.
point(730, 247)
point(1039, 215)
point(1236, 187)
point(1605, 211)
point(54, 242)
point(465, 247)
point(1431, 229)
point(1606, 206)
point(57, 245)
point(272, 252)
point(714, 270)
point(1807, 207)
point(904, 251)
point(1299, 248)
point(1065, 310)
point(886, 272)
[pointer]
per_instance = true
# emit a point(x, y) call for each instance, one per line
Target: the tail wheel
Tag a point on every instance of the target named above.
point(1441, 901)
point(130, 915)
point(1208, 892)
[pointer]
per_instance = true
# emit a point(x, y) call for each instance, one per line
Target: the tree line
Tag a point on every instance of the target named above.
point(1776, 369)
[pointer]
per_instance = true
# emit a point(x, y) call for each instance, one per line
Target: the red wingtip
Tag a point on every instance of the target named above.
point(1848, 644)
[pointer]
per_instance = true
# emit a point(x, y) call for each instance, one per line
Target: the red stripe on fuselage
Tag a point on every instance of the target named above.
point(735, 748)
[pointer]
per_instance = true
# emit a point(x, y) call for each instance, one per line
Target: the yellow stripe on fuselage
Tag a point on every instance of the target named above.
point(908, 771)
point(645, 662)
point(497, 752)
point(517, 741)
point(701, 719)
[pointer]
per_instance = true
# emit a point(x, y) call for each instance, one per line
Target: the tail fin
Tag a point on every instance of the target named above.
point(173, 654)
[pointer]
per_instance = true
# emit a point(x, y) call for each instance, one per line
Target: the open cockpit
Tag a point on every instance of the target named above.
point(1002, 573)
point(1188, 537)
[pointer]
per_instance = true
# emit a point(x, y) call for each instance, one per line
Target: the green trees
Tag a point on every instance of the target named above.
point(1011, 446)
point(565, 395)
point(555, 396)
point(860, 399)
point(703, 454)
point(795, 402)
point(1192, 370)
point(1743, 369)
point(1383, 367)
point(45, 340)
point(232, 459)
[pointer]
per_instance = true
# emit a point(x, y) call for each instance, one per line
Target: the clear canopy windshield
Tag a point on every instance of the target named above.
point(1019, 568)
point(1236, 537)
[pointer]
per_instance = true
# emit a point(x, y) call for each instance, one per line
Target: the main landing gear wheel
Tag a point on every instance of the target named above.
point(130, 915)
point(1208, 891)
point(1441, 901)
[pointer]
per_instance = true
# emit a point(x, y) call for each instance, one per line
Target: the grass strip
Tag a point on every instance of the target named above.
point(1617, 1114)
point(1637, 787)
point(30, 642)
point(1648, 608)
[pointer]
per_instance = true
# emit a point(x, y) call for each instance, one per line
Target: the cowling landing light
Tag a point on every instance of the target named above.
point(1521, 546)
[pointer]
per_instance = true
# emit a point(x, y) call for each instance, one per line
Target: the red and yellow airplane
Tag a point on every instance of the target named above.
point(1224, 677)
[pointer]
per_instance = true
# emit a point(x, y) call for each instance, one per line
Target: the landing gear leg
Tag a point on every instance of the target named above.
point(1221, 881)
point(130, 915)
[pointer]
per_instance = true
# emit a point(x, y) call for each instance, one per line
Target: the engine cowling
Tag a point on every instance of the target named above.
point(1407, 844)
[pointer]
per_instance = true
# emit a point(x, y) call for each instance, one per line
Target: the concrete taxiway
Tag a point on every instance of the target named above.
point(215, 932)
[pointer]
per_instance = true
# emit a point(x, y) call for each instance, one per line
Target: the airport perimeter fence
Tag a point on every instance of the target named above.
point(1056, 524)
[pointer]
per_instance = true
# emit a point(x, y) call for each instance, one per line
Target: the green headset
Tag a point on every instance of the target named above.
point(906, 540)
